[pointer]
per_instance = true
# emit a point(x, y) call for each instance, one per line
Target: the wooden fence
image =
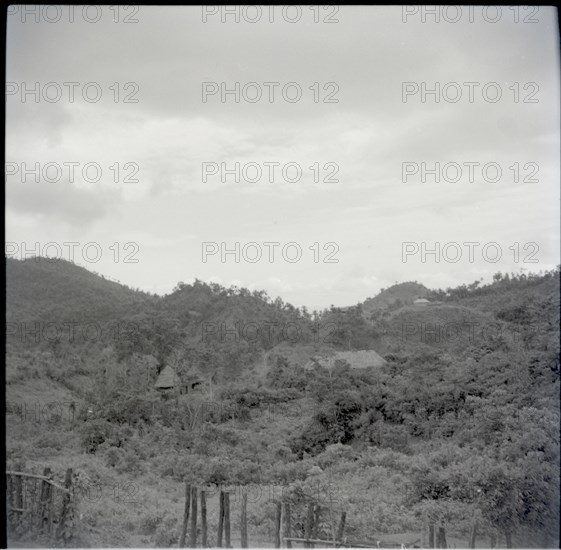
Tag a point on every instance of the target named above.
point(285, 521)
point(36, 505)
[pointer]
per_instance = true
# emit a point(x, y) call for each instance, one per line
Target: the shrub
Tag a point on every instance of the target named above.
point(130, 463)
point(284, 375)
point(94, 433)
point(167, 534)
point(113, 456)
point(150, 522)
point(253, 398)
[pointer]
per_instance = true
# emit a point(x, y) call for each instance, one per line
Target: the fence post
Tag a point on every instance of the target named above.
point(67, 515)
point(315, 528)
point(473, 535)
point(227, 519)
point(309, 525)
point(431, 535)
point(10, 495)
point(51, 509)
point(185, 515)
point(244, 520)
point(19, 495)
point(220, 519)
point(286, 527)
point(278, 525)
point(442, 537)
point(203, 518)
point(33, 511)
point(341, 529)
point(193, 537)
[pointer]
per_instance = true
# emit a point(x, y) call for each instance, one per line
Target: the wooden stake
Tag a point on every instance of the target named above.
point(278, 525)
point(33, 507)
point(286, 527)
point(66, 515)
point(193, 537)
point(203, 519)
point(442, 538)
point(317, 516)
point(24, 506)
point(19, 495)
point(227, 519)
point(431, 536)
point(185, 515)
point(473, 535)
point(10, 494)
point(309, 525)
point(244, 520)
point(220, 520)
point(341, 528)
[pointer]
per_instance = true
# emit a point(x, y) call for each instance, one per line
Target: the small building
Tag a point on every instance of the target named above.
point(421, 302)
point(168, 382)
point(193, 383)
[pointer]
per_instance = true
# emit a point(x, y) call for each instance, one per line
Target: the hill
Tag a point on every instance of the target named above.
point(450, 327)
point(400, 447)
point(398, 294)
point(58, 291)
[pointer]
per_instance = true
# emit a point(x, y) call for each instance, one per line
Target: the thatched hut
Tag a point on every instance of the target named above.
point(168, 382)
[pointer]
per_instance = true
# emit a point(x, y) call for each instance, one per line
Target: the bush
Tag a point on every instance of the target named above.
point(150, 522)
point(126, 409)
point(113, 456)
point(130, 463)
point(284, 375)
point(253, 398)
point(94, 433)
point(50, 440)
point(336, 454)
point(166, 537)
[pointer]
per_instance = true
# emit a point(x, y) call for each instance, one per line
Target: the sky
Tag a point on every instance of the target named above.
point(134, 158)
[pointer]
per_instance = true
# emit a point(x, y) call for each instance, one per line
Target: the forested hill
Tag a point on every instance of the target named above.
point(398, 294)
point(55, 291)
point(63, 308)
point(458, 427)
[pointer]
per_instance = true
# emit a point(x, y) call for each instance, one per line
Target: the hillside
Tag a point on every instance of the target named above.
point(58, 291)
point(398, 294)
point(449, 327)
point(401, 446)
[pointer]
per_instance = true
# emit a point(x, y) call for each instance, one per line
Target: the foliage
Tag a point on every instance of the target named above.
point(445, 431)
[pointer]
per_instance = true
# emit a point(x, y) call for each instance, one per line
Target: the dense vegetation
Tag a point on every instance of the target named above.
point(459, 430)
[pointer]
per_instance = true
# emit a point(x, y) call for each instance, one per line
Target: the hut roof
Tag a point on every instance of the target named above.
point(167, 378)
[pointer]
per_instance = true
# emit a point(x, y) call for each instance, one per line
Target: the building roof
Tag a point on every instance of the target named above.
point(167, 378)
point(362, 359)
point(421, 301)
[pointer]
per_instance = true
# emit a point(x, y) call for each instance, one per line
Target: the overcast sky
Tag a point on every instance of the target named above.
point(365, 208)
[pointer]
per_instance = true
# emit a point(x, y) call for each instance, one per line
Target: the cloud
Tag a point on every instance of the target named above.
point(61, 202)
point(364, 207)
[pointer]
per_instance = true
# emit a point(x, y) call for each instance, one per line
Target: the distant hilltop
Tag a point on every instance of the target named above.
point(406, 293)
